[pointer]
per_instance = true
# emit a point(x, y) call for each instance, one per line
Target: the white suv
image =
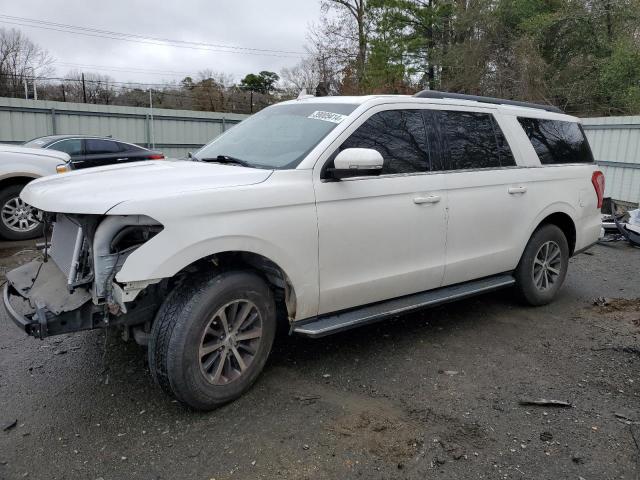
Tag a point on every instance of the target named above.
point(325, 213)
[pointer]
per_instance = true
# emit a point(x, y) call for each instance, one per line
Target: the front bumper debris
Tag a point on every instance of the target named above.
point(28, 325)
point(38, 301)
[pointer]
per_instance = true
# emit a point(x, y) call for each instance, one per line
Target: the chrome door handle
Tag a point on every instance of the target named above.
point(515, 190)
point(429, 199)
point(122, 159)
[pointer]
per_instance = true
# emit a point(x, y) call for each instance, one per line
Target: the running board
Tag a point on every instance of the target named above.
point(345, 320)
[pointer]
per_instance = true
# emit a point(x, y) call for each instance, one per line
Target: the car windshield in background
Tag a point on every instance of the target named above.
point(278, 137)
point(37, 142)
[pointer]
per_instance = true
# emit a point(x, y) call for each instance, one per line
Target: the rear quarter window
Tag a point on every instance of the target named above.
point(557, 142)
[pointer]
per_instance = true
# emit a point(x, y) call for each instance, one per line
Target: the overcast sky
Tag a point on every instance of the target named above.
point(260, 24)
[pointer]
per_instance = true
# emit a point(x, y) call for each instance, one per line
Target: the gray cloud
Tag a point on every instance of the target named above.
point(273, 24)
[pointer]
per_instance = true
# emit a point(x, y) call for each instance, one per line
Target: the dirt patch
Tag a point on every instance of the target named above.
point(451, 438)
point(368, 425)
point(378, 433)
point(612, 305)
point(619, 309)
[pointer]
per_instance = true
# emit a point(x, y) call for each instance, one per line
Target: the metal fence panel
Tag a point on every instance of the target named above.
point(615, 142)
point(174, 132)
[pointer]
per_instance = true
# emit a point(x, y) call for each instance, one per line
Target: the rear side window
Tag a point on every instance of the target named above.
point(399, 136)
point(472, 140)
point(97, 146)
point(557, 142)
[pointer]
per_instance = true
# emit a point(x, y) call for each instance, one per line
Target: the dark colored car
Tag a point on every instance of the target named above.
point(86, 151)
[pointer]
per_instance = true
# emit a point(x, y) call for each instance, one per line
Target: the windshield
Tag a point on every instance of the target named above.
point(278, 137)
point(37, 142)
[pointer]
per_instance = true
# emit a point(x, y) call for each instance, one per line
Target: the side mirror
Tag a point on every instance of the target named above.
point(356, 162)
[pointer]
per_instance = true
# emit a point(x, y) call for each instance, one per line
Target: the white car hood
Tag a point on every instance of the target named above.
point(97, 190)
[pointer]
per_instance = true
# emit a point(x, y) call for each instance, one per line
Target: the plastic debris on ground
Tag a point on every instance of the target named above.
point(615, 228)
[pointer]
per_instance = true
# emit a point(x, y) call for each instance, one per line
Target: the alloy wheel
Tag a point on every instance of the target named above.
point(547, 266)
point(18, 216)
point(230, 341)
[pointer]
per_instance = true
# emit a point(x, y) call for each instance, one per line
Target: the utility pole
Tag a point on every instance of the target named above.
point(64, 95)
point(153, 143)
point(84, 90)
point(251, 101)
point(35, 89)
point(26, 88)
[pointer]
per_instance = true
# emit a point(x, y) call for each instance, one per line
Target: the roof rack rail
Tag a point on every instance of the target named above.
point(477, 98)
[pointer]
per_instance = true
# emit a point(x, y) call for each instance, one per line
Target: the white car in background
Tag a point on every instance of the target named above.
point(324, 213)
point(19, 166)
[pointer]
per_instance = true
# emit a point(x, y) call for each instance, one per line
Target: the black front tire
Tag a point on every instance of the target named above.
point(538, 281)
point(180, 329)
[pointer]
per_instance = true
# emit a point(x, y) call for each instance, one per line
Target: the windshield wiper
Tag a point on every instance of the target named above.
point(226, 159)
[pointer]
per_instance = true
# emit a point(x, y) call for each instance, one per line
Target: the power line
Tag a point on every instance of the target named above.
point(147, 40)
point(126, 69)
point(145, 37)
point(150, 43)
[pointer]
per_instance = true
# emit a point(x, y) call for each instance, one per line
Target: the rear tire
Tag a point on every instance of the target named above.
point(17, 221)
point(211, 338)
point(543, 266)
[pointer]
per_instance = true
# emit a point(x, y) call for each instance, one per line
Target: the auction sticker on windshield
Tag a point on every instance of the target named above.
point(327, 116)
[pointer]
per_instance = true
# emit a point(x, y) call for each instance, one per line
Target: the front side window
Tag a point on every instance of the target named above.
point(278, 137)
point(472, 140)
point(556, 141)
point(73, 146)
point(97, 146)
point(399, 136)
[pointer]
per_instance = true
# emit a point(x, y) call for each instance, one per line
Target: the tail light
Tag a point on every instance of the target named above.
point(598, 183)
point(156, 157)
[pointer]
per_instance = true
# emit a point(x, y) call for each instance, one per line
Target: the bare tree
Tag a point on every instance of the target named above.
point(20, 60)
point(332, 46)
point(93, 87)
point(225, 80)
point(305, 75)
point(208, 92)
point(357, 20)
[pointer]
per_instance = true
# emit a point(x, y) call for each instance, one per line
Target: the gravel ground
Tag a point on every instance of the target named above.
point(429, 395)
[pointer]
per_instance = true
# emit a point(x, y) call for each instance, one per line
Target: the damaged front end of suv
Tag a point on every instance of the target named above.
point(74, 287)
